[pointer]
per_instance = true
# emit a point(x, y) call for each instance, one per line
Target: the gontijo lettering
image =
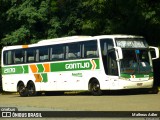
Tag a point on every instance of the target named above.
point(77, 65)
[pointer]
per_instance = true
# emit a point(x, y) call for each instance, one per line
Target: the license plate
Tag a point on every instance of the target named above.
point(139, 84)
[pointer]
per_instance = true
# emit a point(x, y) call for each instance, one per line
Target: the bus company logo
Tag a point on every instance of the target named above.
point(77, 65)
point(84, 65)
point(9, 70)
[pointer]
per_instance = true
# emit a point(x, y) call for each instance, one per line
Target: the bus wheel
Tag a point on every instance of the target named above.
point(154, 90)
point(31, 89)
point(94, 88)
point(23, 92)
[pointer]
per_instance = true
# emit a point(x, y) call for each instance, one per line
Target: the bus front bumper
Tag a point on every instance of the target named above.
point(127, 84)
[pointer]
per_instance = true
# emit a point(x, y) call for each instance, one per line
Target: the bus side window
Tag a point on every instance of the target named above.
point(73, 51)
point(112, 63)
point(108, 56)
point(90, 49)
point(18, 56)
point(43, 54)
point(58, 52)
point(30, 55)
point(7, 57)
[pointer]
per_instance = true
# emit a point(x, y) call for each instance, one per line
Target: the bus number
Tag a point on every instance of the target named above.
point(9, 70)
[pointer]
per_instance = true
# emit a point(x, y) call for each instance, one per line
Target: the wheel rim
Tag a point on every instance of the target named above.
point(31, 89)
point(22, 90)
point(95, 87)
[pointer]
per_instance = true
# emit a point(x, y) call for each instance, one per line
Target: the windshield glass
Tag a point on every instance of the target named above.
point(135, 61)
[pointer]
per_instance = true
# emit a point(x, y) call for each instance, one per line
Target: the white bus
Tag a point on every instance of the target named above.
point(93, 63)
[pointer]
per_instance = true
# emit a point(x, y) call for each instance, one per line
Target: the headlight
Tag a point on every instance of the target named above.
point(150, 78)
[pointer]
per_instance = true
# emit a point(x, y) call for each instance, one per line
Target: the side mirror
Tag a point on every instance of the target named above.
point(119, 52)
point(156, 51)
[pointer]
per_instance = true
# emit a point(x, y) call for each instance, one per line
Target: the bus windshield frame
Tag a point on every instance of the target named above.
point(136, 56)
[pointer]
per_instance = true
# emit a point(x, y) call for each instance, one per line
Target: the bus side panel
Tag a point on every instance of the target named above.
point(7, 83)
point(10, 82)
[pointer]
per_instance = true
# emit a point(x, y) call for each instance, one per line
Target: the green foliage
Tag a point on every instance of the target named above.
point(24, 22)
point(17, 36)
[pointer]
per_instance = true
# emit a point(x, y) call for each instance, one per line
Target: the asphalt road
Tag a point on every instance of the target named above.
point(87, 102)
point(84, 102)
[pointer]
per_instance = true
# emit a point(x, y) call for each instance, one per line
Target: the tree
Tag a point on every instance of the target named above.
point(24, 22)
point(28, 21)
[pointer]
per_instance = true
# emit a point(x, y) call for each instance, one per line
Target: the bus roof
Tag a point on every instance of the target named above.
point(69, 39)
point(118, 36)
point(63, 39)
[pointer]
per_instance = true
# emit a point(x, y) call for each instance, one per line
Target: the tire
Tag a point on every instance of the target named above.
point(94, 88)
point(154, 90)
point(31, 89)
point(38, 93)
point(23, 92)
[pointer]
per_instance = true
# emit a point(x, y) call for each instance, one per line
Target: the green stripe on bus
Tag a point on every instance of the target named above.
point(55, 67)
point(40, 68)
point(25, 68)
point(15, 70)
point(12, 70)
point(74, 65)
point(44, 76)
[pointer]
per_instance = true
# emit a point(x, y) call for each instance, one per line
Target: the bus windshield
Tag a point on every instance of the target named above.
point(135, 61)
